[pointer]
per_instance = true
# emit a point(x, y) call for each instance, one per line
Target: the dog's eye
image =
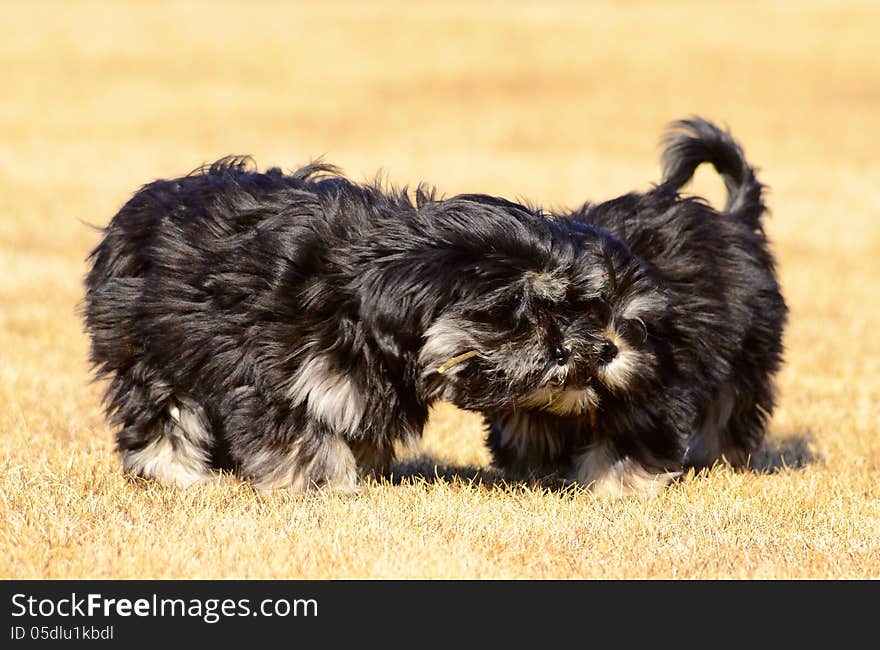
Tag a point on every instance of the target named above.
point(633, 330)
point(502, 321)
point(597, 308)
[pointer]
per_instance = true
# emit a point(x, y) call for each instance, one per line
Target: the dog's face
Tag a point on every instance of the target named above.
point(554, 338)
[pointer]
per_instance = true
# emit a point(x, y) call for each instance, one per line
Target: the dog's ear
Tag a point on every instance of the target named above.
point(447, 337)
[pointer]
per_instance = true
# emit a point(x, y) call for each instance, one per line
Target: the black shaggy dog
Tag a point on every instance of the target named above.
point(685, 320)
point(293, 327)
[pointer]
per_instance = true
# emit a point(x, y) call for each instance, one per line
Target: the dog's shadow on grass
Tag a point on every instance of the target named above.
point(779, 452)
point(426, 469)
point(785, 451)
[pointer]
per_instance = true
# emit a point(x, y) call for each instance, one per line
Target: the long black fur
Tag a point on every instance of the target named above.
point(706, 354)
point(291, 327)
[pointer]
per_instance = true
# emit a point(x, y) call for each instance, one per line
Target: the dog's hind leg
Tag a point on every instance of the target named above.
point(710, 442)
point(373, 460)
point(731, 427)
point(160, 436)
point(748, 425)
point(176, 450)
point(609, 473)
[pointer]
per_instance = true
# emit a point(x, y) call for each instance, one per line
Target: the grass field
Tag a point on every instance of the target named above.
point(554, 102)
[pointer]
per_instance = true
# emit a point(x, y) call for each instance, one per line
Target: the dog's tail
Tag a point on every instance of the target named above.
point(692, 142)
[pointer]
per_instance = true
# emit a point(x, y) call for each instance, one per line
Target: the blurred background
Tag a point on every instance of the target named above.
point(555, 102)
point(558, 101)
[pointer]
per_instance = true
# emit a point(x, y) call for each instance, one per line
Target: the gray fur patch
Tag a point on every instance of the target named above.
point(333, 467)
point(178, 455)
point(607, 475)
point(561, 402)
point(329, 395)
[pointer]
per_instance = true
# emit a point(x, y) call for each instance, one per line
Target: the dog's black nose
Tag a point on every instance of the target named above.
point(562, 353)
point(607, 350)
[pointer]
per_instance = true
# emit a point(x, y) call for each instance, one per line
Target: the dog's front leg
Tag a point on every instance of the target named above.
point(609, 471)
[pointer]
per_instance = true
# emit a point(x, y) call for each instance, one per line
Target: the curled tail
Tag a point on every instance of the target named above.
point(692, 142)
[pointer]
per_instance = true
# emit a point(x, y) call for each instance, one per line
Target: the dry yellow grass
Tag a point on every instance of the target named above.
point(557, 102)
